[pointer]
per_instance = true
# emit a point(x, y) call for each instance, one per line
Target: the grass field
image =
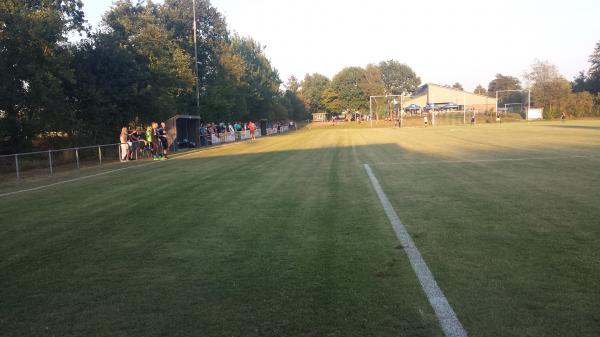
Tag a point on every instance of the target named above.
point(285, 236)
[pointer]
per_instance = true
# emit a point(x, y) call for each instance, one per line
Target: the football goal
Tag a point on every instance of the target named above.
point(513, 103)
point(386, 107)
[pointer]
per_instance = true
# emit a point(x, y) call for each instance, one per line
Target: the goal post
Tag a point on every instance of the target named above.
point(387, 106)
point(513, 101)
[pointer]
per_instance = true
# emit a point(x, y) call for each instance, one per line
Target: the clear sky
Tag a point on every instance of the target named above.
point(466, 41)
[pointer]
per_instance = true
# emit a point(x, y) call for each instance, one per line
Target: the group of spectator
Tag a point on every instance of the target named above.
point(210, 129)
point(153, 141)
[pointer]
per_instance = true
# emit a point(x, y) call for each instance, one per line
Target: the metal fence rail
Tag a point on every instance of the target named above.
point(57, 160)
point(51, 162)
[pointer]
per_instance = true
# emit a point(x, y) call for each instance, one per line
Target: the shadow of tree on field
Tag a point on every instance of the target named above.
point(295, 243)
point(566, 126)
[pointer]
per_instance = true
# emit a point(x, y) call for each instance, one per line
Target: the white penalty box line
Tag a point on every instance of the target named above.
point(443, 311)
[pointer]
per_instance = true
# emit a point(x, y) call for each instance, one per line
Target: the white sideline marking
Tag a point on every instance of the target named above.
point(463, 161)
point(101, 173)
point(446, 316)
point(72, 180)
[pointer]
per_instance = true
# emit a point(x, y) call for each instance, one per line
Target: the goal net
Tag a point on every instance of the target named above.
point(512, 103)
point(385, 107)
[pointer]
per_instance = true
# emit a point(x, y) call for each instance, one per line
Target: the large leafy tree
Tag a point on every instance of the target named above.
point(225, 96)
point(34, 67)
point(261, 80)
point(331, 100)
point(480, 90)
point(138, 67)
point(164, 68)
point(215, 58)
point(580, 82)
point(549, 89)
point(595, 62)
point(293, 97)
point(104, 93)
point(296, 107)
point(398, 78)
point(313, 90)
point(292, 84)
point(372, 84)
point(590, 81)
point(346, 86)
point(457, 86)
point(580, 104)
point(131, 71)
point(502, 82)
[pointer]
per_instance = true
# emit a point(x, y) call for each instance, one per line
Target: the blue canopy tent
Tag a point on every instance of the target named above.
point(412, 107)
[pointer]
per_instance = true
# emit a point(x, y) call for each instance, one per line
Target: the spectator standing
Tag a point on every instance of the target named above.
point(162, 135)
point(157, 153)
point(203, 141)
point(149, 140)
point(252, 128)
point(124, 147)
point(133, 143)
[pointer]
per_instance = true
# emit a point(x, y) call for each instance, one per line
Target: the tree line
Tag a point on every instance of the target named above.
point(138, 67)
point(351, 88)
point(551, 91)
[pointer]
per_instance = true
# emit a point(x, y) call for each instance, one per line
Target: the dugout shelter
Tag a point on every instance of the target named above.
point(183, 131)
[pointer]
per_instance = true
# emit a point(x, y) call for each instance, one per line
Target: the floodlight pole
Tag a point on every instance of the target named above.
point(432, 111)
point(496, 103)
point(196, 61)
point(464, 108)
point(528, 99)
point(401, 111)
point(371, 109)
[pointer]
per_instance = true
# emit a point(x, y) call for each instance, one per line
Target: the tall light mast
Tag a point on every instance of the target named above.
point(196, 61)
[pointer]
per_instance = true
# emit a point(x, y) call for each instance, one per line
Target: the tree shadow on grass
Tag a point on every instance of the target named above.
point(290, 243)
point(568, 126)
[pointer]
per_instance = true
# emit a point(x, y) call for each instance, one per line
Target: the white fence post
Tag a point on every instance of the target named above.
point(77, 157)
point(17, 166)
point(100, 154)
point(50, 161)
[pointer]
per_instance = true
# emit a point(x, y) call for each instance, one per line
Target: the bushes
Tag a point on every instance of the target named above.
point(580, 104)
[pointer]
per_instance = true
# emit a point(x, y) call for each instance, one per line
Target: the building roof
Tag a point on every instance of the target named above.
point(423, 90)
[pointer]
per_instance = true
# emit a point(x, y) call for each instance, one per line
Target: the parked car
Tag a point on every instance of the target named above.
point(450, 107)
point(430, 107)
